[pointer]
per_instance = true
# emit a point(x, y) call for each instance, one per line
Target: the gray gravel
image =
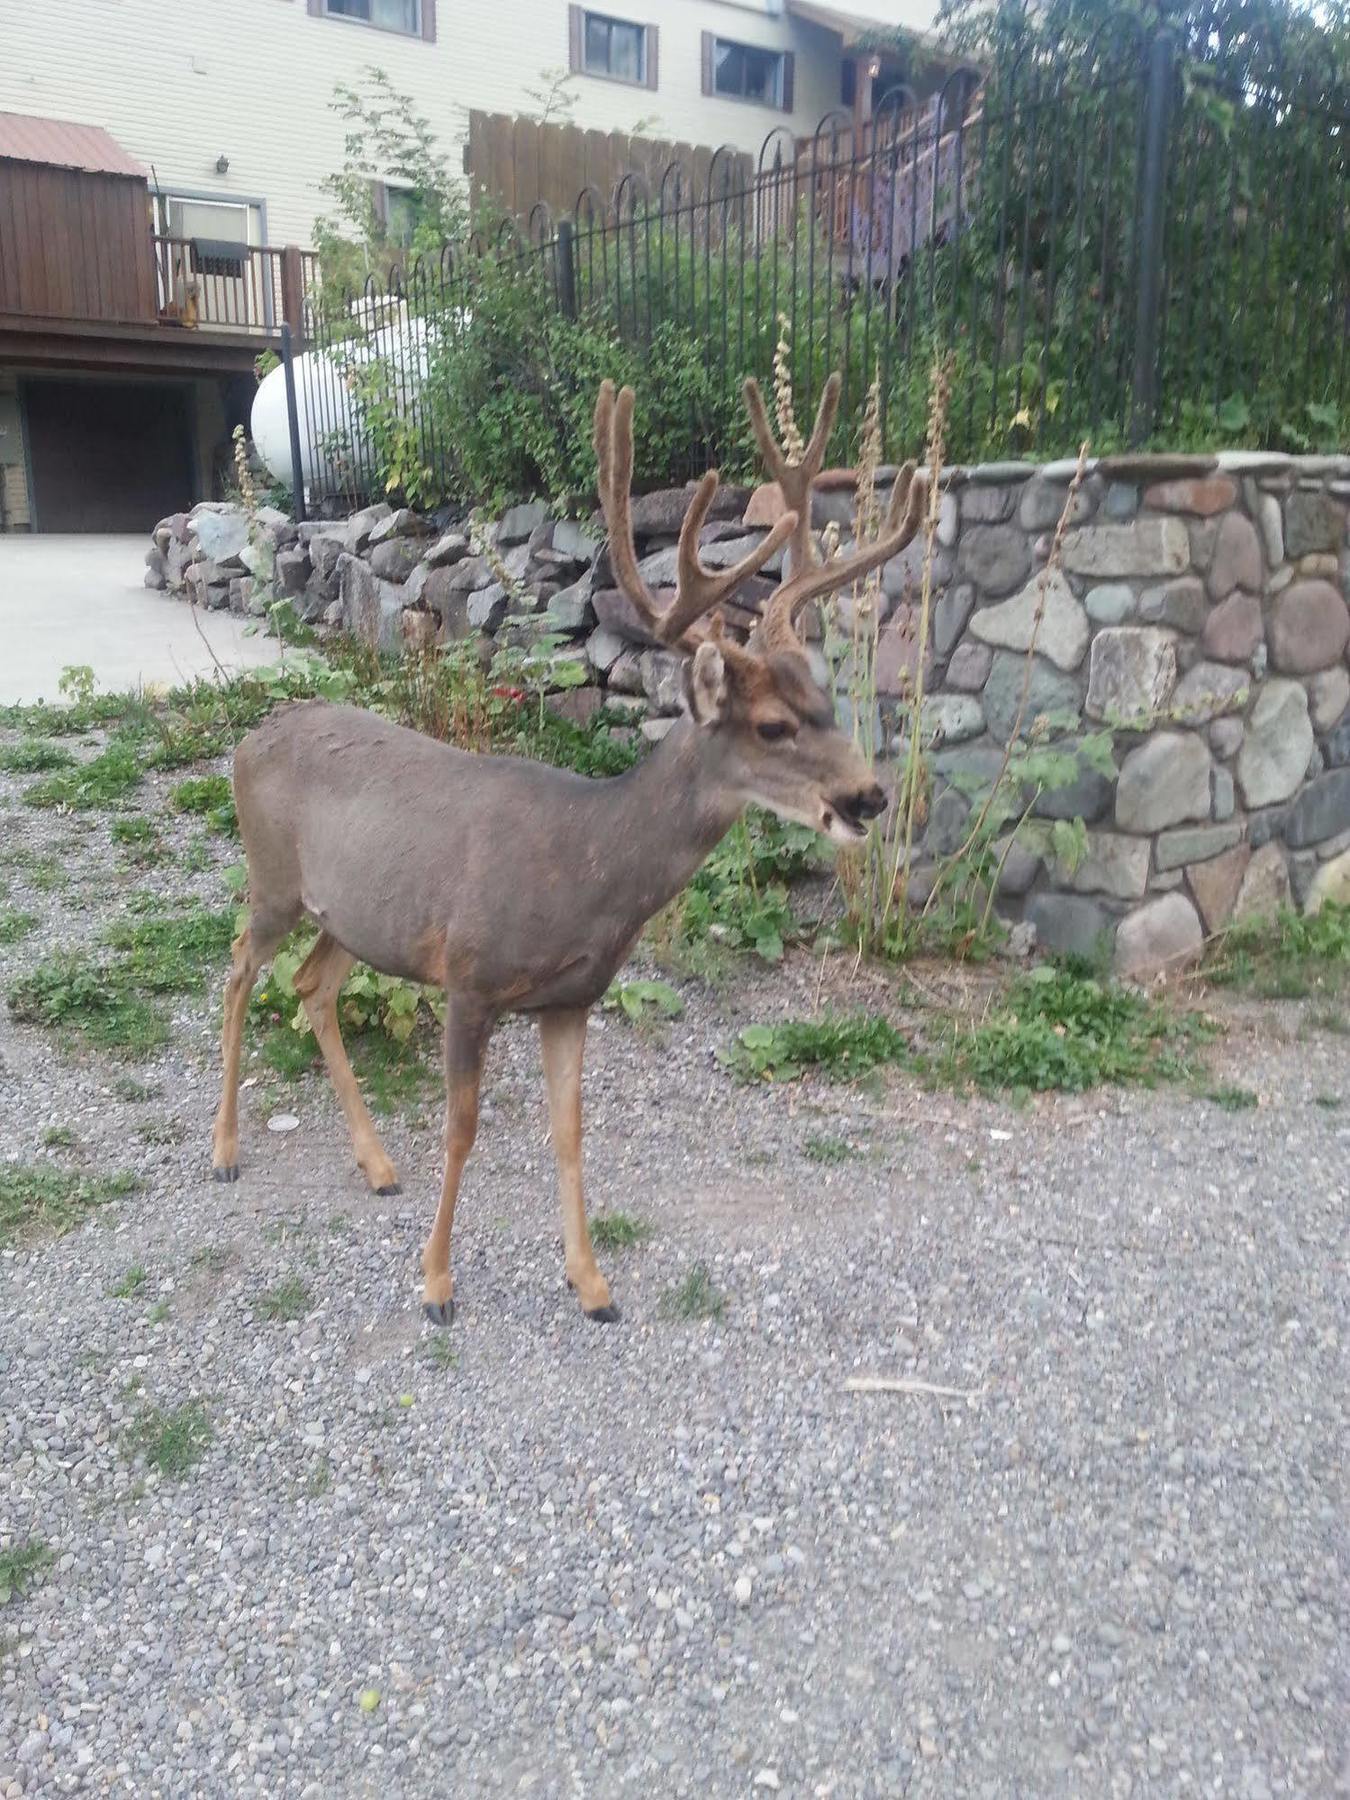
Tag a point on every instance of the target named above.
point(675, 1559)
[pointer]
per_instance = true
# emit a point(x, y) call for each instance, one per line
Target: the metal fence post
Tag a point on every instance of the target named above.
point(565, 251)
point(1152, 218)
point(293, 421)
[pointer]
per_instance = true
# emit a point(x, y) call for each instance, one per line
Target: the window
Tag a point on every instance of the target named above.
point(401, 211)
point(614, 49)
point(411, 18)
point(747, 72)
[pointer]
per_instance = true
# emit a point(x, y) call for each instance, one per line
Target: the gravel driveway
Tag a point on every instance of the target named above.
point(673, 1558)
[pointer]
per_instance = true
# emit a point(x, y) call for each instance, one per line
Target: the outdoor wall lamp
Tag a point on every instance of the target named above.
point(222, 165)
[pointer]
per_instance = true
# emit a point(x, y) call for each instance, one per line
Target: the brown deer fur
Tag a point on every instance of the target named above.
point(518, 887)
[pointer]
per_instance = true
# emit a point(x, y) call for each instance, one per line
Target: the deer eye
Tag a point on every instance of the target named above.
point(772, 730)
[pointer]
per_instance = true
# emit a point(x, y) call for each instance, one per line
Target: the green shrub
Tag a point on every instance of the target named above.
point(842, 1048)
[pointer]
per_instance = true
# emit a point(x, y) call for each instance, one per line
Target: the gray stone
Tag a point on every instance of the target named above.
point(1195, 844)
point(1207, 690)
point(988, 504)
point(616, 612)
point(1155, 465)
point(1131, 673)
point(1277, 745)
point(1177, 603)
point(488, 606)
point(663, 679)
point(603, 649)
point(292, 571)
point(1271, 526)
point(573, 542)
point(1063, 631)
point(1165, 781)
point(372, 610)
point(518, 522)
point(1254, 462)
point(1115, 864)
point(625, 673)
point(1043, 503)
point(660, 514)
point(951, 718)
point(1236, 562)
point(570, 608)
point(999, 472)
point(1086, 797)
point(1303, 866)
point(1224, 794)
point(1067, 925)
point(357, 531)
point(1320, 811)
point(1146, 547)
point(395, 558)
point(155, 578)
point(1336, 745)
point(402, 523)
point(1267, 824)
point(449, 549)
point(950, 615)
point(1161, 937)
point(1313, 523)
point(1018, 866)
point(1328, 697)
point(1225, 737)
point(969, 668)
point(1215, 882)
point(948, 525)
point(902, 576)
point(1264, 888)
point(1121, 500)
point(1309, 627)
point(324, 551)
point(997, 558)
point(1050, 693)
point(1110, 604)
point(221, 535)
point(947, 821)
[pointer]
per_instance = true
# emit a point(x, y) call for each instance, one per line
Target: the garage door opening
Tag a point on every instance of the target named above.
point(108, 456)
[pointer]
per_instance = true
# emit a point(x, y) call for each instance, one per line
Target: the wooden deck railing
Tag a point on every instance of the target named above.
point(246, 288)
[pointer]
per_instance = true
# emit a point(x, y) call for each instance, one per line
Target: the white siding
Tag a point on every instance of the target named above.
point(180, 83)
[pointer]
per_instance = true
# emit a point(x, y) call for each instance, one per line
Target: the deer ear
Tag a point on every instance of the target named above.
point(705, 684)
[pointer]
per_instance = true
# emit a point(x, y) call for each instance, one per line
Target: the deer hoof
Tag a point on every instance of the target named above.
point(439, 1312)
point(390, 1187)
point(226, 1172)
point(604, 1315)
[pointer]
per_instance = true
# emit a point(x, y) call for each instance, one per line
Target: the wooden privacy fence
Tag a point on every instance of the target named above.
point(518, 164)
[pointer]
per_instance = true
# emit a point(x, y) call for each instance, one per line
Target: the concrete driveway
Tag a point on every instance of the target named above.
point(81, 599)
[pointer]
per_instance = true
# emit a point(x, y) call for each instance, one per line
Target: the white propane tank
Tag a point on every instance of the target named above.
point(324, 404)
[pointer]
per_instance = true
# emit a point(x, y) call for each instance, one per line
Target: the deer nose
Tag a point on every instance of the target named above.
point(867, 803)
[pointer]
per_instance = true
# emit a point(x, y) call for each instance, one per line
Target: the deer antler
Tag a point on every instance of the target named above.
point(795, 478)
point(777, 630)
point(698, 589)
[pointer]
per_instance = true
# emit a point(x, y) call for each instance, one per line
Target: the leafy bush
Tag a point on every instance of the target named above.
point(212, 797)
point(1287, 957)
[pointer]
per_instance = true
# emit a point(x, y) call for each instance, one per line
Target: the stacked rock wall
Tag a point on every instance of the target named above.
point(1199, 616)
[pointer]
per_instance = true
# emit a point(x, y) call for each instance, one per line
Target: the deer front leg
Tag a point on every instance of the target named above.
point(562, 1037)
point(318, 981)
point(466, 1036)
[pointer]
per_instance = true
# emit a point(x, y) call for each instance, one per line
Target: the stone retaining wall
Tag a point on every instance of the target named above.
point(1200, 616)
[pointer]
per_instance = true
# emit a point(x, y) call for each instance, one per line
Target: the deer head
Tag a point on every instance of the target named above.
point(768, 725)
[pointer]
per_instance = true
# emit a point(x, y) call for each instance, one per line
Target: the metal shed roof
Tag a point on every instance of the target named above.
point(60, 144)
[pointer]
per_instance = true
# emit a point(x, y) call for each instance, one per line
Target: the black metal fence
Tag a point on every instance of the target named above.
point(1113, 244)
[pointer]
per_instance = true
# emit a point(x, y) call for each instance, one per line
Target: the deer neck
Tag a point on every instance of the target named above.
point(672, 811)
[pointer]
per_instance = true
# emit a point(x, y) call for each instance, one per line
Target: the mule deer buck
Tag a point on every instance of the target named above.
point(518, 887)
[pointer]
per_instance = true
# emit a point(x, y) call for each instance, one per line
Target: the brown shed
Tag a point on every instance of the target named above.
point(75, 224)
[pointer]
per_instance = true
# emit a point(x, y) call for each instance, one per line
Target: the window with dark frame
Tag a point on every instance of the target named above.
point(735, 71)
point(409, 18)
point(611, 48)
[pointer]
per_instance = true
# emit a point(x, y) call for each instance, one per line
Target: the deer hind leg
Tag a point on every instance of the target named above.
point(466, 1036)
point(562, 1038)
point(254, 945)
point(318, 981)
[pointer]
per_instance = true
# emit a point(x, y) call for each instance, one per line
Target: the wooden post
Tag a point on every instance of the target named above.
point(293, 291)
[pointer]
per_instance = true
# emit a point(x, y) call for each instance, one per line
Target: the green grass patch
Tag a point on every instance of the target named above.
point(843, 1049)
point(1329, 1102)
point(171, 956)
point(15, 925)
point(826, 1149)
point(34, 756)
point(1058, 1028)
point(642, 1001)
point(126, 1087)
point(289, 1299)
point(70, 992)
point(22, 1566)
point(693, 1298)
point(1231, 1099)
point(437, 1347)
point(1289, 957)
point(619, 1231)
point(131, 1283)
point(41, 1200)
point(58, 1137)
point(104, 781)
point(172, 1441)
point(211, 797)
point(137, 835)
